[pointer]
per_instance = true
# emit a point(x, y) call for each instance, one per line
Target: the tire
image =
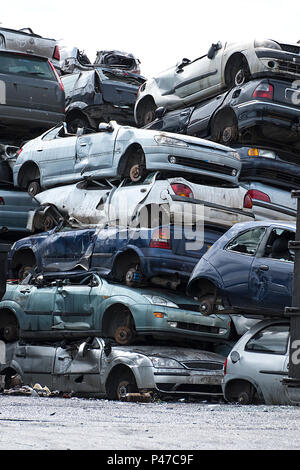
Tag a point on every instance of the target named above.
point(11, 333)
point(245, 397)
point(123, 335)
point(207, 304)
point(120, 385)
point(133, 276)
point(76, 123)
point(122, 326)
point(239, 74)
point(135, 167)
point(224, 128)
point(146, 113)
point(34, 188)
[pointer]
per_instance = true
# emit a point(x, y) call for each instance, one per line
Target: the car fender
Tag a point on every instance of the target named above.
point(226, 383)
point(204, 270)
point(134, 248)
point(15, 308)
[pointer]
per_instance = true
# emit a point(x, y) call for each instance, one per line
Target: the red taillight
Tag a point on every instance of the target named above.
point(264, 90)
point(56, 53)
point(2, 203)
point(225, 366)
point(57, 76)
point(19, 151)
point(161, 239)
point(254, 194)
point(182, 190)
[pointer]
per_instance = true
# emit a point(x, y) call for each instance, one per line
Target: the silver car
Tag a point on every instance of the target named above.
point(257, 364)
point(223, 67)
point(95, 368)
point(57, 158)
point(93, 203)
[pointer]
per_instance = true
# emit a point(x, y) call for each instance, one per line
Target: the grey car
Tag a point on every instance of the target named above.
point(14, 211)
point(96, 368)
point(257, 364)
point(115, 151)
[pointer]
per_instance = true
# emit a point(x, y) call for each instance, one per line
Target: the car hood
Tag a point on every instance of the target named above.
point(180, 354)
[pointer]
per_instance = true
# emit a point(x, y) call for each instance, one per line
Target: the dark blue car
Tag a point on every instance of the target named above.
point(132, 255)
point(249, 269)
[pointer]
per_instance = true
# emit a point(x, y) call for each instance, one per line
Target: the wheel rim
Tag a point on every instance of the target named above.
point(239, 78)
point(135, 172)
point(227, 134)
point(148, 117)
point(123, 389)
point(123, 335)
point(33, 188)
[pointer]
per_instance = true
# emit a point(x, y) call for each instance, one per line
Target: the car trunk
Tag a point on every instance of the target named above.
point(118, 88)
point(285, 93)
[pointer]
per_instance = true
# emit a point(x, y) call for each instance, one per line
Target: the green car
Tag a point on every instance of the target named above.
point(88, 305)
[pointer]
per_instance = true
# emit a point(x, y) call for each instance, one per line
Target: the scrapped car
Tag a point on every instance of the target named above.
point(100, 95)
point(72, 59)
point(14, 210)
point(223, 67)
point(94, 203)
point(88, 305)
point(119, 60)
point(32, 95)
point(57, 158)
point(257, 364)
point(100, 369)
point(163, 255)
point(249, 269)
point(258, 112)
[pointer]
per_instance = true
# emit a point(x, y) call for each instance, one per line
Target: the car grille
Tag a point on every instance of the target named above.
point(190, 307)
point(290, 67)
point(290, 48)
point(191, 162)
point(203, 365)
point(197, 327)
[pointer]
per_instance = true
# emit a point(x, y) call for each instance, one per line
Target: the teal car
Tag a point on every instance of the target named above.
point(88, 305)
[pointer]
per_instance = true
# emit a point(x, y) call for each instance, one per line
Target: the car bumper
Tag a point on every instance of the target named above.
point(270, 211)
point(29, 118)
point(257, 112)
point(267, 170)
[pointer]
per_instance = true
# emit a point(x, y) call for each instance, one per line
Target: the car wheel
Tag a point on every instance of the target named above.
point(224, 128)
point(207, 304)
point(124, 335)
point(239, 74)
point(135, 167)
point(121, 385)
point(146, 113)
point(34, 188)
point(48, 223)
point(11, 333)
point(136, 172)
point(245, 397)
point(24, 271)
point(133, 276)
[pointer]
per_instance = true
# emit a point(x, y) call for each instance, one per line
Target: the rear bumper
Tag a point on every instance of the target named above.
point(257, 112)
point(268, 170)
point(29, 117)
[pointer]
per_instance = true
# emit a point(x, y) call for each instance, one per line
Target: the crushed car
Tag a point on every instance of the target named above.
point(256, 365)
point(223, 67)
point(98, 368)
point(100, 94)
point(249, 269)
point(57, 158)
point(260, 111)
point(119, 60)
point(86, 305)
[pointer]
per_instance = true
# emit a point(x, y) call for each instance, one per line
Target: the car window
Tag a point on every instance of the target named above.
point(247, 242)
point(271, 340)
point(52, 134)
point(27, 66)
point(277, 245)
point(69, 82)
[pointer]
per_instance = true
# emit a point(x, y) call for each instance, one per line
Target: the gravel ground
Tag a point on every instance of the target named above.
point(41, 423)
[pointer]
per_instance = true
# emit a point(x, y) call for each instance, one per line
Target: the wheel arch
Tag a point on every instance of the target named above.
point(107, 325)
point(123, 256)
point(28, 172)
point(26, 254)
point(8, 315)
point(233, 386)
point(117, 371)
point(226, 111)
point(127, 154)
point(233, 59)
point(203, 286)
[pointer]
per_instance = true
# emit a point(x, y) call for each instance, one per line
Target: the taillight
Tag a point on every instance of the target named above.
point(264, 90)
point(161, 239)
point(57, 76)
point(254, 194)
point(2, 203)
point(182, 190)
point(56, 53)
point(19, 151)
point(225, 366)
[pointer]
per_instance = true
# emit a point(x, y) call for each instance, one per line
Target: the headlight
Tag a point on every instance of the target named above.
point(267, 44)
point(165, 363)
point(156, 300)
point(166, 140)
point(235, 155)
point(254, 152)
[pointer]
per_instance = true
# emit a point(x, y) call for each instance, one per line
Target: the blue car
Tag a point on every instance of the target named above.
point(249, 269)
point(165, 254)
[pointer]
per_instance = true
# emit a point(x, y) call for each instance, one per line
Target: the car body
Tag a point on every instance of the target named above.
point(117, 152)
point(119, 60)
point(87, 305)
point(100, 94)
point(223, 67)
point(97, 368)
point(32, 95)
point(261, 111)
point(92, 203)
point(257, 364)
point(249, 269)
point(14, 210)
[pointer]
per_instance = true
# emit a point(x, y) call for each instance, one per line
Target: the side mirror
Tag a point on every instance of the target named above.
point(213, 49)
point(104, 127)
point(82, 348)
point(160, 112)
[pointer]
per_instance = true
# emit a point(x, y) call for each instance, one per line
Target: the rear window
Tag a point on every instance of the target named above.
point(27, 66)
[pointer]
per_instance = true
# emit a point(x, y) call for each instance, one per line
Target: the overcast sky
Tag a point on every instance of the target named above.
point(158, 32)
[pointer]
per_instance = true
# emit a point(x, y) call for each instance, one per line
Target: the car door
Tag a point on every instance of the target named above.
point(271, 277)
point(78, 369)
point(38, 305)
point(199, 78)
point(36, 363)
point(56, 153)
point(95, 152)
point(265, 359)
point(234, 262)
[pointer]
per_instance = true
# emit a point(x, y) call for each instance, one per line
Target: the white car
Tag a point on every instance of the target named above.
point(93, 203)
point(223, 67)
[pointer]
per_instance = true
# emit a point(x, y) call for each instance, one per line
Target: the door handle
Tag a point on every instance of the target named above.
point(25, 291)
point(83, 144)
point(39, 150)
point(264, 267)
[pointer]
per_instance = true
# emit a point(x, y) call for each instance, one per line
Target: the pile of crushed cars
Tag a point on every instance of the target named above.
point(145, 222)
